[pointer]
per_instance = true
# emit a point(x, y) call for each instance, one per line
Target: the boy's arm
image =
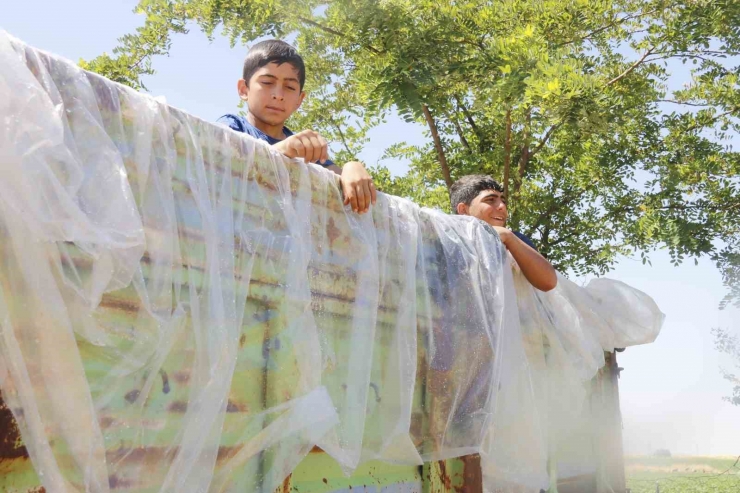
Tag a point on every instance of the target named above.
point(538, 271)
point(357, 185)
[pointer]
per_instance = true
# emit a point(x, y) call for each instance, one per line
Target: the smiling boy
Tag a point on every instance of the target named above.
point(482, 197)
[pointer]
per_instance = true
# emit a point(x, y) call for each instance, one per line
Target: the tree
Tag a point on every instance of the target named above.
point(570, 103)
point(729, 344)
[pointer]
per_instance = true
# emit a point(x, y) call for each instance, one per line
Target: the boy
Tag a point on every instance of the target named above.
point(272, 86)
point(482, 197)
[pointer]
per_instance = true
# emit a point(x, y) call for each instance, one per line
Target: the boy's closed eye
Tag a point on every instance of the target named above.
point(492, 199)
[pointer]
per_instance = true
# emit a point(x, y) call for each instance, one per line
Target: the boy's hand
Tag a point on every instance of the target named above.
point(358, 187)
point(504, 234)
point(308, 145)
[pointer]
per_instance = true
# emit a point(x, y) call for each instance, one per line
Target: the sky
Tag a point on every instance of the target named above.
point(671, 390)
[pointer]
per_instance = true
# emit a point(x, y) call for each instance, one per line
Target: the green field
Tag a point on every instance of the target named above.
point(684, 474)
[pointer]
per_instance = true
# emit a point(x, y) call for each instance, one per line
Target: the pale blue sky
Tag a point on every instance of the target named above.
point(671, 390)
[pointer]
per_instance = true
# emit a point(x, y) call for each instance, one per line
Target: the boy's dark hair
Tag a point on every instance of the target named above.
point(269, 51)
point(467, 188)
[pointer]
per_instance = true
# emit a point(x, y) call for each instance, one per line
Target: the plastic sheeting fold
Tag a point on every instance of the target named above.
point(565, 333)
point(183, 309)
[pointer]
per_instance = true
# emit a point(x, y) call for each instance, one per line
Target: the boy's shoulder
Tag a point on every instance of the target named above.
point(526, 239)
point(241, 124)
point(234, 122)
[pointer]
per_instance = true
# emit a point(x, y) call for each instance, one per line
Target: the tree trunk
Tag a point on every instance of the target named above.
point(438, 146)
point(507, 153)
point(524, 159)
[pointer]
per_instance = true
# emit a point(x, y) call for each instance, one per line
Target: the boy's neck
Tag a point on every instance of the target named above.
point(274, 131)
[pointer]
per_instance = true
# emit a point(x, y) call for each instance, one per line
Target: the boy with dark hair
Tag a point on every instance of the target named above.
point(272, 86)
point(482, 197)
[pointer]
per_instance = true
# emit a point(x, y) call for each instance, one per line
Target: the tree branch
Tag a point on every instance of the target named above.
point(470, 120)
point(732, 110)
point(637, 31)
point(545, 239)
point(666, 56)
point(341, 135)
point(507, 152)
point(593, 253)
point(544, 140)
point(524, 158)
point(437, 145)
point(329, 30)
point(558, 202)
point(460, 134)
point(147, 53)
point(560, 239)
point(615, 23)
point(688, 54)
point(479, 45)
point(632, 67)
point(681, 102)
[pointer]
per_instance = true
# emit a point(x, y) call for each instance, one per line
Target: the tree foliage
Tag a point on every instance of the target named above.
point(729, 344)
point(575, 105)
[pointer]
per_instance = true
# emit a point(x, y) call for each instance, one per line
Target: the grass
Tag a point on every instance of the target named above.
point(683, 474)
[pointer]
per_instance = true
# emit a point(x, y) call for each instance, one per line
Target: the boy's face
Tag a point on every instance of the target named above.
point(273, 93)
point(488, 206)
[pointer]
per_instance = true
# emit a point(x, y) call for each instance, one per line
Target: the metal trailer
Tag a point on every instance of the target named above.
point(319, 473)
point(268, 379)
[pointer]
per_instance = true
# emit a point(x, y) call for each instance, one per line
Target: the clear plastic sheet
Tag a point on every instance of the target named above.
point(157, 329)
point(183, 309)
point(565, 333)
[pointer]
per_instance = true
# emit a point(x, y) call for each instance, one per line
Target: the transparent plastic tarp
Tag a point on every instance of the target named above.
point(157, 328)
point(183, 309)
point(565, 333)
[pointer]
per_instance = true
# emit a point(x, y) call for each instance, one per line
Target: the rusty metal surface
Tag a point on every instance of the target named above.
point(458, 475)
point(16, 471)
point(11, 445)
point(609, 435)
point(319, 473)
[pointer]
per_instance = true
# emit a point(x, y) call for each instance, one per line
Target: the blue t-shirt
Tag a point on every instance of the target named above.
point(525, 239)
point(240, 124)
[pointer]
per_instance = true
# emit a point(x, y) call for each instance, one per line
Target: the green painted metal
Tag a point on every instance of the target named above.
point(319, 473)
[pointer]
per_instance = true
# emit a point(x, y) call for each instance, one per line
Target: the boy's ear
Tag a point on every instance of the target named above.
point(242, 88)
point(303, 96)
point(462, 209)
